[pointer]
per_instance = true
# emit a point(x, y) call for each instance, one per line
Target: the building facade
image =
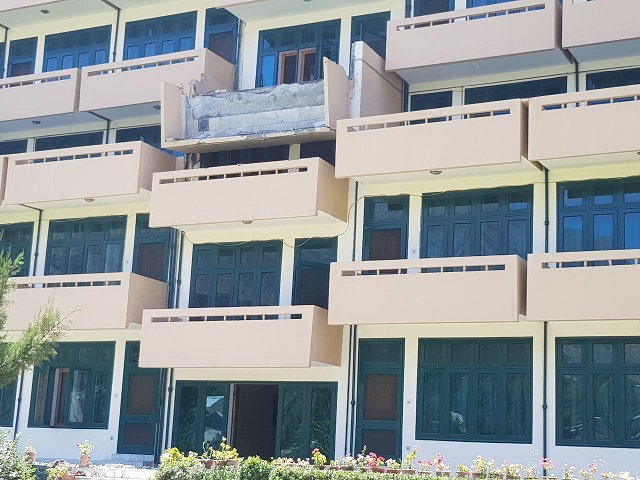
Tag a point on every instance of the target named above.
point(302, 224)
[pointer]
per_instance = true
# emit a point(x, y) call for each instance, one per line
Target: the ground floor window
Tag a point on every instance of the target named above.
point(265, 419)
point(73, 389)
point(598, 391)
point(475, 390)
point(7, 404)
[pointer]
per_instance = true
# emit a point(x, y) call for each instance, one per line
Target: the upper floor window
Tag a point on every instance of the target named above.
point(79, 48)
point(386, 222)
point(236, 275)
point(372, 30)
point(69, 141)
point(248, 155)
point(428, 101)
point(482, 3)
point(92, 245)
point(7, 404)
point(10, 147)
point(475, 390)
point(73, 388)
point(313, 259)
point(471, 223)
point(613, 78)
point(598, 385)
point(599, 215)
point(325, 150)
point(160, 35)
point(22, 57)
point(507, 91)
point(294, 54)
point(428, 7)
point(151, 249)
point(17, 238)
point(2, 50)
point(221, 34)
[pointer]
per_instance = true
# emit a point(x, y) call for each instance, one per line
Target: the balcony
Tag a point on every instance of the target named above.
point(106, 300)
point(250, 337)
point(301, 192)
point(291, 113)
point(130, 83)
point(585, 128)
point(492, 289)
point(108, 174)
point(504, 37)
point(601, 30)
point(413, 144)
point(41, 95)
point(599, 285)
point(252, 10)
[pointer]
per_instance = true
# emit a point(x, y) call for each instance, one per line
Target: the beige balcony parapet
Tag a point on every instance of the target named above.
point(600, 285)
point(106, 300)
point(585, 128)
point(251, 337)
point(39, 95)
point(494, 137)
point(134, 82)
point(434, 290)
point(112, 170)
point(305, 190)
point(602, 29)
point(498, 38)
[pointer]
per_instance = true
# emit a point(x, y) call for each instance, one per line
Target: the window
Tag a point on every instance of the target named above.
point(92, 245)
point(372, 30)
point(475, 390)
point(249, 155)
point(385, 228)
point(73, 389)
point(17, 238)
point(613, 78)
point(482, 3)
point(22, 57)
point(2, 51)
point(151, 250)
point(325, 150)
point(160, 35)
point(507, 91)
point(428, 7)
point(7, 404)
point(69, 141)
point(598, 385)
point(79, 48)
point(13, 146)
point(294, 54)
point(599, 215)
point(313, 258)
point(149, 135)
point(427, 101)
point(482, 222)
point(221, 34)
point(236, 275)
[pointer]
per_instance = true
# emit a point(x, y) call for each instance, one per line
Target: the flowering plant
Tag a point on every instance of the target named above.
point(461, 467)
point(318, 457)
point(347, 461)
point(547, 464)
point(227, 453)
point(512, 469)
point(410, 458)
point(393, 463)
point(568, 473)
point(589, 473)
point(59, 469)
point(440, 463)
point(609, 475)
point(425, 465)
point(481, 465)
point(85, 448)
point(371, 460)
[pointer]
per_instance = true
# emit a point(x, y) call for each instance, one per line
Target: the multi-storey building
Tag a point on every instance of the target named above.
point(327, 224)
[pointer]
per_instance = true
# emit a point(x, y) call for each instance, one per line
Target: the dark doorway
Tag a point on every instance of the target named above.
point(255, 420)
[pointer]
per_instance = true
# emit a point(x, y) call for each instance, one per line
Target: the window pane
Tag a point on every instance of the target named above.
point(603, 406)
point(387, 211)
point(41, 396)
point(572, 197)
point(225, 258)
point(572, 234)
point(201, 293)
point(78, 397)
point(631, 230)
point(603, 232)
point(572, 407)
point(113, 262)
point(57, 261)
point(215, 404)
point(489, 353)
point(223, 289)
point(245, 289)
point(94, 259)
point(603, 196)
point(76, 256)
point(632, 353)
point(602, 353)
point(380, 397)
point(222, 44)
point(268, 289)
point(101, 398)
point(321, 420)
point(270, 255)
point(459, 403)
point(385, 244)
point(572, 353)
point(151, 260)
point(632, 406)
point(487, 408)
point(248, 256)
point(517, 404)
point(268, 71)
point(432, 391)
point(489, 238)
point(490, 203)
point(313, 287)
point(462, 206)
point(292, 405)
point(436, 241)
point(187, 419)
point(462, 240)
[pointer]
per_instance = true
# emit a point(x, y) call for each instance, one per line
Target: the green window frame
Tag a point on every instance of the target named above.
point(232, 275)
point(598, 392)
point(8, 403)
point(73, 389)
point(383, 217)
point(160, 35)
point(147, 259)
point(90, 245)
point(77, 49)
point(475, 390)
point(18, 238)
point(313, 259)
point(372, 30)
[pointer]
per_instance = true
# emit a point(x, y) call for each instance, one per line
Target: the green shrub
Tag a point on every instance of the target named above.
point(13, 463)
point(254, 468)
